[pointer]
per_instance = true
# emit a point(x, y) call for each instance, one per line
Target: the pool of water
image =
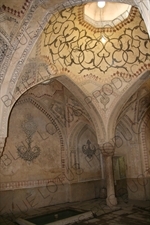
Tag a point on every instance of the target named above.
point(53, 217)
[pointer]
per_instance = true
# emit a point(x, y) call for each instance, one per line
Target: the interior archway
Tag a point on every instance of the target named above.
point(39, 126)
point(132, 126)
point(123, 101)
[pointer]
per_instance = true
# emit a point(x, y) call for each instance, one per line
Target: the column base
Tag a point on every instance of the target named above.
point(111, 201)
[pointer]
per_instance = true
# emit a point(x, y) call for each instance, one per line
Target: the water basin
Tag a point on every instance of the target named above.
point(62, 217)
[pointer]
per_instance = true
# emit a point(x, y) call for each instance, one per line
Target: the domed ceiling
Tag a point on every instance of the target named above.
point(109, 15)
point(71, 44)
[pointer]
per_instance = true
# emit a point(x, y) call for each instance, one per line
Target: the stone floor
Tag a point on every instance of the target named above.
point(126, 213)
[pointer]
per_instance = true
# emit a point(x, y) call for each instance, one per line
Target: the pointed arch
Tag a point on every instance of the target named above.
point(121, 103)
point(92, 112)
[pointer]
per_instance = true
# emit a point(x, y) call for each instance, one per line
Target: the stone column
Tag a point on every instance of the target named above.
point(108, 150)
point(2, 144)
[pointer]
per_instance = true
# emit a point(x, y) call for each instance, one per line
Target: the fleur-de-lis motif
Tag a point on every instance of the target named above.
point(89, 149)
point(28, 153)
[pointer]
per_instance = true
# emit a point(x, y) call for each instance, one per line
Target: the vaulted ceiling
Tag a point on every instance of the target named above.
point(99, 64)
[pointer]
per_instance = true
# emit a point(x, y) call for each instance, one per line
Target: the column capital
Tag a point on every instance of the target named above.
point(107, 149)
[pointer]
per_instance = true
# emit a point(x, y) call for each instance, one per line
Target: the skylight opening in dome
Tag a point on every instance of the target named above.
point(101, 4)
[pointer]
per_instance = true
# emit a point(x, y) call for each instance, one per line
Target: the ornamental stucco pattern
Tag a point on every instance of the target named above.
point(75, 103)
point(80, 50)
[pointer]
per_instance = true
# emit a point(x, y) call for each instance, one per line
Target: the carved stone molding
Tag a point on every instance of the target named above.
point(145, 155)
point(31, 183)
point(2, 144)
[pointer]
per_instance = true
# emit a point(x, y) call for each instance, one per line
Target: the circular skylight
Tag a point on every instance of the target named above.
point(108, 14)
point(101, 4)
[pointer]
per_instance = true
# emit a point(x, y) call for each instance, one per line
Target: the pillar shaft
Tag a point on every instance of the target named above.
point(107, 150)
point(111, 199)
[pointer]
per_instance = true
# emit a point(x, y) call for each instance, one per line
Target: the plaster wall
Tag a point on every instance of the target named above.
point(46, 160)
